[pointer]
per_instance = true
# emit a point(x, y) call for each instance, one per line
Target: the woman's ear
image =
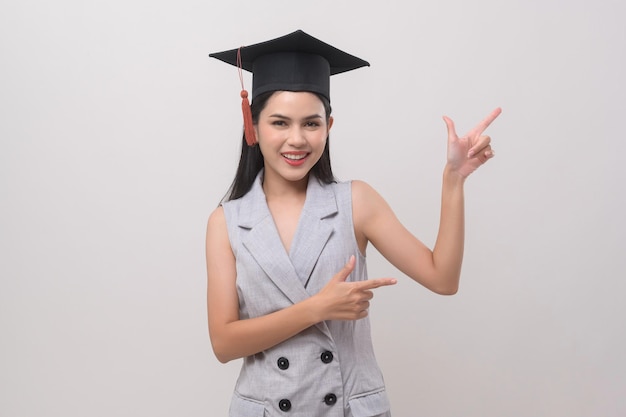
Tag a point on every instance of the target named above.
point(330, 123)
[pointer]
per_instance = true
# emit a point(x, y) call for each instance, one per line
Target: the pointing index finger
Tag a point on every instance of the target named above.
point(375, 283)
point(484, 124)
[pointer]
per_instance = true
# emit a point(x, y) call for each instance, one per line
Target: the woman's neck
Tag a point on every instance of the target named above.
point(280, 188)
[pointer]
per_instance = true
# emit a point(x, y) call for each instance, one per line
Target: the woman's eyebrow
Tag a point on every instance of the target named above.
point(280, 116)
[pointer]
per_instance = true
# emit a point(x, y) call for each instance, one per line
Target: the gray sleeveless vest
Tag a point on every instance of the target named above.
point(328, 369)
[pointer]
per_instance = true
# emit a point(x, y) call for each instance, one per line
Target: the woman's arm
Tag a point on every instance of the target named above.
point(438, 269)
point(233, 338)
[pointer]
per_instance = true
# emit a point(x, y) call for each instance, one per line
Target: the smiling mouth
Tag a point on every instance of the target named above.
point(295, 157)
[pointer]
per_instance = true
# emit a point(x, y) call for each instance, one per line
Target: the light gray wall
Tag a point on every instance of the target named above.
point(119, 136)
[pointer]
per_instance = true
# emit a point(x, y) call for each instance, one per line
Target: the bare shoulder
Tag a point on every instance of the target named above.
point(369, 210)
point(359, 187)
point(217, 217)
point(363, 193)
point(219, 254)
point(216, 225)
point(365, 199)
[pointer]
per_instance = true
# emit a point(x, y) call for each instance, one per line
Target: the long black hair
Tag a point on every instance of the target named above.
point(251, 159)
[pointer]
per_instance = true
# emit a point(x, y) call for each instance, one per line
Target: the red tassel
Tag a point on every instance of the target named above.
point(248, 125)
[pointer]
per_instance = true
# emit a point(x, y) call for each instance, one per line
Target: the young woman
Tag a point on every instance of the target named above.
point(287, 282)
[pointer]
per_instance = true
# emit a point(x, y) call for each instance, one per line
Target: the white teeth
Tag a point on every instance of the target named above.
point(294, 157)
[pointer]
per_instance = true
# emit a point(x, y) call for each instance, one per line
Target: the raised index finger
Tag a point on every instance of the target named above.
point(484, 124)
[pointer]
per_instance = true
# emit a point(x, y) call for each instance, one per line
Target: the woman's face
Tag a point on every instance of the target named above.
point(292, 132)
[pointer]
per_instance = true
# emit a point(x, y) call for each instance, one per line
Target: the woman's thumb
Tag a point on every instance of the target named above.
point(346, 270)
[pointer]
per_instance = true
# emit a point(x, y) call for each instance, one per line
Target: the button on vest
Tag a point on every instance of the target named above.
point(283, 363)
point(284, 405)
point(327, 356)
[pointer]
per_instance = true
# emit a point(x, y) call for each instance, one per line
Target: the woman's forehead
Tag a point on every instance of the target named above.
point(294, 102)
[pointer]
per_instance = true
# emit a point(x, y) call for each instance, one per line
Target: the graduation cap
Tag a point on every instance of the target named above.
point(294, 62)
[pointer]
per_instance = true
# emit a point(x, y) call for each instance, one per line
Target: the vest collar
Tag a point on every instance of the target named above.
point(291, 271)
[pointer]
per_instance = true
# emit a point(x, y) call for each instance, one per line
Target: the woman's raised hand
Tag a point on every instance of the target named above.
point(341, 300)
point(468, 152)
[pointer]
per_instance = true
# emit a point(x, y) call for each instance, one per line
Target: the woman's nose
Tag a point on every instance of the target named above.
point(297, 136)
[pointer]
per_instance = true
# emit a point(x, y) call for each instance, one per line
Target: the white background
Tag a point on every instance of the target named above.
point(119, 136)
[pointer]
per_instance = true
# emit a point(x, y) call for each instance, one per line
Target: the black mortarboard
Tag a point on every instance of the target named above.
point(294, 62)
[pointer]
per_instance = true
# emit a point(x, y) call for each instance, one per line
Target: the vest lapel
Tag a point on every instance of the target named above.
point(263, 242)
point(313, 231)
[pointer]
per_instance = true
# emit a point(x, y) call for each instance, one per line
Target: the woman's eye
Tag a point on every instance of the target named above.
point(278, 123)
point(312, 124)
